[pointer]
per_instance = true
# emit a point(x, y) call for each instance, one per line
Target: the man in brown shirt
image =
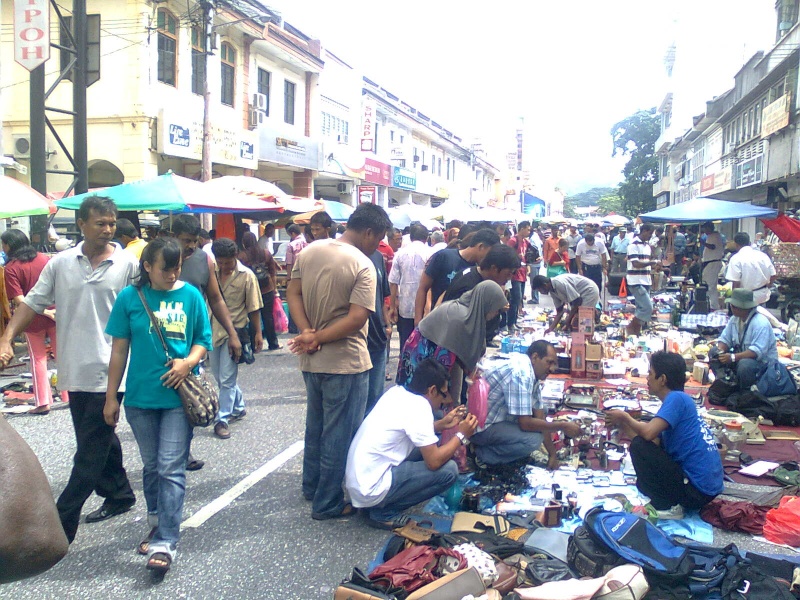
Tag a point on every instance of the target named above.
point(330, 295)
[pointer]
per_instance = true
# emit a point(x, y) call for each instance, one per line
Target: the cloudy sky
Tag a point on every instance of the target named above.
point(570, 68)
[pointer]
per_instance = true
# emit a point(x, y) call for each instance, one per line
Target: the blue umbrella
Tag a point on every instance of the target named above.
point(700, 210)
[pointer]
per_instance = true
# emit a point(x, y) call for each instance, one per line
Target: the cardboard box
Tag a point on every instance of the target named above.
point(594, 369)
point(700, 372)
point(586, 320)
point(594, 351)
point(577, 365)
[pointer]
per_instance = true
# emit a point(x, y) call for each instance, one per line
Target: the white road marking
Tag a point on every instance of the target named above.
point(216, 505)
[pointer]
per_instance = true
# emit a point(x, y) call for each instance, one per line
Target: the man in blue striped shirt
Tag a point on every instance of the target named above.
point(515, 420)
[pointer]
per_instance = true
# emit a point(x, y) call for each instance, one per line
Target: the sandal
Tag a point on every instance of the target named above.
point(348, 511)
point(159, 563)
point(144, 545)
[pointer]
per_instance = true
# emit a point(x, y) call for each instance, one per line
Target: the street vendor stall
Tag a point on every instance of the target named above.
point(700, 210)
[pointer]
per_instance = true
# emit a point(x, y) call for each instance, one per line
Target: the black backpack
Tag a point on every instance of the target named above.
point(531, 254)
point(590, 557)
point(781, 410)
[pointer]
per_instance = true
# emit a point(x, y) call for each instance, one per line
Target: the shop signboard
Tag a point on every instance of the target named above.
point(31, 32)
point(404, 179)
point(342, 160)
point(775, 116)
point(750, 172)
point(716, 182)
point(283, 145)
point(368, 112)
point(367, 193)
point(377, 172)
point(181, 135)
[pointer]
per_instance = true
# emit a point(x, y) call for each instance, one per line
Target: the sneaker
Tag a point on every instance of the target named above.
point(674, 513)
point(237, 416)
point(221, 430)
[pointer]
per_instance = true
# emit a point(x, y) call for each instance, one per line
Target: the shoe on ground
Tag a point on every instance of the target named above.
point(221, 430)
point(107, 511)
point(195, 464)
point(673, 514)
point(238, 416)
point(273, 348)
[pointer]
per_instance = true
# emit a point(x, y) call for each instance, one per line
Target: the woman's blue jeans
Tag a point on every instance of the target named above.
point(163, 436)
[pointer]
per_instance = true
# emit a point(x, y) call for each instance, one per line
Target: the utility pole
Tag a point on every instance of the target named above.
point(79, 82)
point(208, 17)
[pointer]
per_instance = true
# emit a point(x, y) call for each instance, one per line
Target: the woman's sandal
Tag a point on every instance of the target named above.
point(144, 546)
point(159, 563)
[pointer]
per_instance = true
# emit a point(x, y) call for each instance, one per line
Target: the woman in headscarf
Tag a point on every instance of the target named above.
point(454, 333)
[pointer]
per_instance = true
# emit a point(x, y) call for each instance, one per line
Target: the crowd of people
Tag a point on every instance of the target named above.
point(449, 292)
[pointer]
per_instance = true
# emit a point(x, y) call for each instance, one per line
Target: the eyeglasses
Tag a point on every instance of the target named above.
point(443, 394)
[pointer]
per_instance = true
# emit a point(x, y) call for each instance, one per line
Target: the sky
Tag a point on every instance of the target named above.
point(570, 68)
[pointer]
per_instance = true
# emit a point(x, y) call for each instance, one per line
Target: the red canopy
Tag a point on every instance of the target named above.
point(786, 228)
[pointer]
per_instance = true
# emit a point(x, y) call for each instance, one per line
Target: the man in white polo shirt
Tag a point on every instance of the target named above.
point(751, 269)
point(640, 264)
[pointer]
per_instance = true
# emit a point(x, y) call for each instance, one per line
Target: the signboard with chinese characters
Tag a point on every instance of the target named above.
point(404, 179)
point(31, 32)
point(368, 112)
point(377, 172)
point(182, 136)
point(775, 116)
point(367, 193)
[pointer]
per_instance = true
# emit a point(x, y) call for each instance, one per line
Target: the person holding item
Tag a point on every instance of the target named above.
point(152, 405)
point(396, 461)
point(675, 454)
point(567, 289)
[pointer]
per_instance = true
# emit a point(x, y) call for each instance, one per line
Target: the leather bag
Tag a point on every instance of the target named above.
point(455, 585)
point(472, 522)
point(418, 566)
point(197, 392)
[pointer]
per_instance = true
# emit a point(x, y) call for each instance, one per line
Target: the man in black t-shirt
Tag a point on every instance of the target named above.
point(378, 332)
point(445, 265)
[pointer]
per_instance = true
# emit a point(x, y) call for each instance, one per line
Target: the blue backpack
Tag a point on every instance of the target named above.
point(640, 542)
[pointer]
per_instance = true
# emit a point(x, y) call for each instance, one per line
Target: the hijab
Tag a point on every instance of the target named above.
point(460, 325)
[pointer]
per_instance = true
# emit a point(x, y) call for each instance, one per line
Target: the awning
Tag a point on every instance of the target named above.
point(786, 228)
point(700, 210)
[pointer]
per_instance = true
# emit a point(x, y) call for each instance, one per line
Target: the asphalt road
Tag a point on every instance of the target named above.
point(261, 544)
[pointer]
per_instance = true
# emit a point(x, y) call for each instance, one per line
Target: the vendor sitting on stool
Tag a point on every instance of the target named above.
point(675, 455)
point(515, 421)
point(575, 290)
point(395, 461)
point(747, 343)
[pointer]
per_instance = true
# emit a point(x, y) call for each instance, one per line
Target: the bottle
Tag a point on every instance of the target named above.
point(505, 345)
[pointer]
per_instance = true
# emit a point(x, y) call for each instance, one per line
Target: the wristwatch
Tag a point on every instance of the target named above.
point(462, 438)
point(733, 357)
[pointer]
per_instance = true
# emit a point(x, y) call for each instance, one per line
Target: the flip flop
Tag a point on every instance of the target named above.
point(144, 545)
point(159, 563)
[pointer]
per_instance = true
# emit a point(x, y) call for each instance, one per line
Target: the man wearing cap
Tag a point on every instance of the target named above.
point(619, 251)
point(747, 343)
point(713, 251)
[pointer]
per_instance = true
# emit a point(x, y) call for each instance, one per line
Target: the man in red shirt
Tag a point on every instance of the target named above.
point(520, 243)
point(550, 245)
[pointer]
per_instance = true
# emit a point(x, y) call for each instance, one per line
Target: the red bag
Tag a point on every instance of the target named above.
point(783, 523)
point(417, 566)
point(478, 399)
point(279, 316)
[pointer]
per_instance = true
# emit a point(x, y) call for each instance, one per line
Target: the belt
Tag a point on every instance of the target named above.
point(705, 264)
point(763, 287)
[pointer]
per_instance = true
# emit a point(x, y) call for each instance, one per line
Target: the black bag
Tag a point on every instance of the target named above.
point(722, 389)
point(542, 570)
point(531, 254)
point(261, 272)
point(588, 557)
point(745, 581)
point(781, 410)
point(247, 357)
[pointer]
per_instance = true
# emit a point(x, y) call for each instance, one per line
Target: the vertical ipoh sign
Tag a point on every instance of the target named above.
point(31, 32)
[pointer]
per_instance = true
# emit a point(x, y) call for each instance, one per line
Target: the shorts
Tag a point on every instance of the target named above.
point(644, 305)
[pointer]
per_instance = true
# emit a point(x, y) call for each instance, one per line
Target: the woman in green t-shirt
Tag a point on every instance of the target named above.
point(152, 406)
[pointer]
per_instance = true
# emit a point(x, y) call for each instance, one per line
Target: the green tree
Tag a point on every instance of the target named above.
point(635, 137)
point(611, 203)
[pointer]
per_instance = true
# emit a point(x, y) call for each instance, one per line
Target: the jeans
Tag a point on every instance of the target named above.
point(334, 409)
point(749, 371)
point(225, 370)
point(37, 349)
point(514, 303)
point(163, 436)
point(404, 329)
point(534, 293)
point(413, 482)
point(97, 466)
point(595, 273)
point(268, 321)
point(662, 479)
point(504, 443)
point(377, 377)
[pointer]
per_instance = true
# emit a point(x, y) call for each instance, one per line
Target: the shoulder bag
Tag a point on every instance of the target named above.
point(197, 393)
point(247, 357)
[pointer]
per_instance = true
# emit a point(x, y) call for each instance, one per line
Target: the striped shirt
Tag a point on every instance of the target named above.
point(638, 250)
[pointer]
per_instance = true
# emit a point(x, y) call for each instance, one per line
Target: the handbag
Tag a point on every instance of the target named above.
point(464, 522)
point(455, 585)
point(245, 339)
point(197, 393)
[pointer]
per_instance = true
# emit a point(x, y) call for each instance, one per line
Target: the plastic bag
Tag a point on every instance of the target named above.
point(279, 316)
point(478, 399)
point(783, 523)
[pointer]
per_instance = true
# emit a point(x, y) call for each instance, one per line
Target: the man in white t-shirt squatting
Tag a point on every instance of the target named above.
point(395, 461)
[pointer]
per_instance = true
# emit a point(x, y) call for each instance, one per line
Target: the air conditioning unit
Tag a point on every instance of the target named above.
point(344, 188)
point(259, 102)
point(256, 118)
point(416, 158)
point(22, 145)
point(424, 167)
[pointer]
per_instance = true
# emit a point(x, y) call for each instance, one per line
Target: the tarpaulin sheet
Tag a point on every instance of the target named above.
point(786, 228)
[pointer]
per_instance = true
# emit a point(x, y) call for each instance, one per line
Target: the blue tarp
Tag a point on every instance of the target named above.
point(706, 209)
point(532, 206)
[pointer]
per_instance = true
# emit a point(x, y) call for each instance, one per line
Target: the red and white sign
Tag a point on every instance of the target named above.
point(31, 32)
point(368, 124)
point(377, 172)
point(367, 193)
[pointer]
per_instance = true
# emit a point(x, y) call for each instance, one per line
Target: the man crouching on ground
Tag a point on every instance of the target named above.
point(395, 461)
